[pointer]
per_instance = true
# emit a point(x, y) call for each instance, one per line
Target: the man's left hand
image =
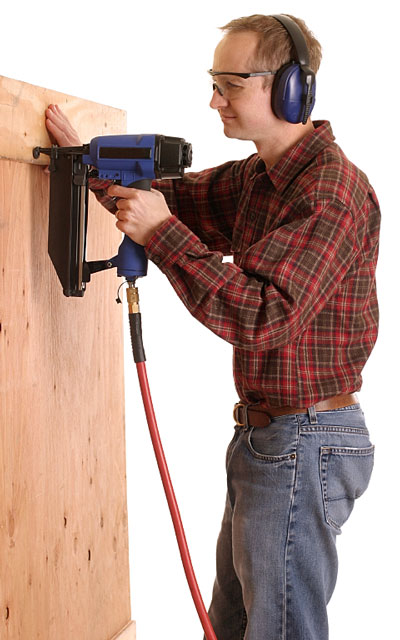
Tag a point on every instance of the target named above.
point(140, 213)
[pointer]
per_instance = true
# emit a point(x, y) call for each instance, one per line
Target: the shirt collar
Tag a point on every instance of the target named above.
point(298, 156)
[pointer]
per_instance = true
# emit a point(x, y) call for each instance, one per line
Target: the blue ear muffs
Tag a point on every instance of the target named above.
point(293, 93)
point(293, 89)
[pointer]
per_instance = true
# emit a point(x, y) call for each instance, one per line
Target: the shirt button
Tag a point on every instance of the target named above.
point(252, 216)
point(157, 259)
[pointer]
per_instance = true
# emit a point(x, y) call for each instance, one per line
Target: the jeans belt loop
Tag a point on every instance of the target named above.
point(312, 415)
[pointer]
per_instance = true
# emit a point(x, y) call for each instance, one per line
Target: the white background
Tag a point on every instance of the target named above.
point(149, 58)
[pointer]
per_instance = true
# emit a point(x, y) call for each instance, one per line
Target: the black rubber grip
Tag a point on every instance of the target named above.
point(135, 323)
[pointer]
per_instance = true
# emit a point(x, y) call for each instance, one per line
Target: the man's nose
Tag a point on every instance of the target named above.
point(218, 101)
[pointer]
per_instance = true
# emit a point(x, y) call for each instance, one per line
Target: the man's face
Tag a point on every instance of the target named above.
point(245, 107)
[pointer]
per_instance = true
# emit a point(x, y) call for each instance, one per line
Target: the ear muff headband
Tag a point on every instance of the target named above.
point(293, 90)
point(297, 38)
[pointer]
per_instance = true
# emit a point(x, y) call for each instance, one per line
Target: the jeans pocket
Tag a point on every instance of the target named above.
point(345, 473)
point(274, 443)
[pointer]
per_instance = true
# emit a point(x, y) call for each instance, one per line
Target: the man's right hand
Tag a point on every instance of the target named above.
point(60, 129)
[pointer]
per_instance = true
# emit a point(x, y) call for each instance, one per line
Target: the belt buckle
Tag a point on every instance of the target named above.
point(235, 412)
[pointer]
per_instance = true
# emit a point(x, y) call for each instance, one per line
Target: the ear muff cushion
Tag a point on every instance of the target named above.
point(288, 93)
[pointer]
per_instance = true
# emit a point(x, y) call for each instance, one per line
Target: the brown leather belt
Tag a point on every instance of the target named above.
point(247, 415)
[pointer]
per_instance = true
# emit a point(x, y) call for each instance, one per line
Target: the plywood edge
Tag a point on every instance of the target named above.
point(22, 119)
point(127, 633)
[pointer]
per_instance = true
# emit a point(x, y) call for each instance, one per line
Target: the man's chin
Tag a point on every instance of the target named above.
point(232, 132)
point(228, 133)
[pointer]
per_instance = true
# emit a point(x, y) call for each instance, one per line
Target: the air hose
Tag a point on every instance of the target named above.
point(139, 357)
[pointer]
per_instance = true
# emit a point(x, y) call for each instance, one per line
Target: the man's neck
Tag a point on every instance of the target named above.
point(277, 143)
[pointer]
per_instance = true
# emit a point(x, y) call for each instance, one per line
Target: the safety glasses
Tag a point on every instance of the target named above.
point(226, 86)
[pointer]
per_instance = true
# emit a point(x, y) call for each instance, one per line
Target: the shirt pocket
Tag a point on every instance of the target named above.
point(345, 473)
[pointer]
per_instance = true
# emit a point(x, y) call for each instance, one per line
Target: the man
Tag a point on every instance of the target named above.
point(299, 306)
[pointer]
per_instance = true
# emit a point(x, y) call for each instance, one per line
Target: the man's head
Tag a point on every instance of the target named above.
point(254, 44)
point(274, 45)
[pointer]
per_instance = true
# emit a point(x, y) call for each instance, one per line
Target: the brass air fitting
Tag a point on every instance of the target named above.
point(132, 295)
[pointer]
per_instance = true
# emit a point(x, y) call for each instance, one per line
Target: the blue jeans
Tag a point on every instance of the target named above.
point(291, 486)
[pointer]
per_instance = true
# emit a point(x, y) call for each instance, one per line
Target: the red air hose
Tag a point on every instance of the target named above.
point(138, 352)
point(172, 503)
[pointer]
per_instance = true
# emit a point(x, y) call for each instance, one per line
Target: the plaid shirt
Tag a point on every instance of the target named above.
point(299, 302)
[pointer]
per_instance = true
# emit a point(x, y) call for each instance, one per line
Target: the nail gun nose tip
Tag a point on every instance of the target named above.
point(36, 152)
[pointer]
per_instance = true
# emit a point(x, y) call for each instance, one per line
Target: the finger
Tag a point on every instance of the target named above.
point(123, 192)
point(59, 125)
point(62, 126)
point(57, 134)
point(55, 111)
point(51, 135)
point(122, 226)
point(55, 116)
point(124, 204)
point(121, 214)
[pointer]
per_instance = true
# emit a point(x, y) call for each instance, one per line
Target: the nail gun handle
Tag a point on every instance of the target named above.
point(132, 260)
point(144, 185)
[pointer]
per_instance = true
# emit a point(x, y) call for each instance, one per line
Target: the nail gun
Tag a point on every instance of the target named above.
point(128, 160)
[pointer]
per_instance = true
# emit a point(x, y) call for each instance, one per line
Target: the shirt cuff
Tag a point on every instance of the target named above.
point(169, 244)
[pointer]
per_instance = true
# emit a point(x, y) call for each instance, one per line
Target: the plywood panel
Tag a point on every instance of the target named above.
point(64, 571)
point(129, 633)
point(22, 125)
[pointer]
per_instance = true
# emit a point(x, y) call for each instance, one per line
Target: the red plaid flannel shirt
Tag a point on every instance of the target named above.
point(299, 302)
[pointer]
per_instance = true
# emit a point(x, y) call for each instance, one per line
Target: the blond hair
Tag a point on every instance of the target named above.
point(275, 47)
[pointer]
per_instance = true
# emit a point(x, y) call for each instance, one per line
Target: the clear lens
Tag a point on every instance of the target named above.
point(228, 86)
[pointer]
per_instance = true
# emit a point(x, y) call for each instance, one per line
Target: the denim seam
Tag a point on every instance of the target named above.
point(349, 407)
point(323, 469)
point(334, 429)
point(290, 522)
point(244, 624)
point(347, 451)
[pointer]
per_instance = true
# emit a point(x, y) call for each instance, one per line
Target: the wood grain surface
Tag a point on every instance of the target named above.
point(64, 570)
point(22, 123)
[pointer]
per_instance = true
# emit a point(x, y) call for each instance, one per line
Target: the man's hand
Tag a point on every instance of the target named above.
point(59, 127)
point(140, 213)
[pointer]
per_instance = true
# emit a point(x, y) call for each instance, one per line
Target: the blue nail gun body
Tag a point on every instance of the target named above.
point(130, 160)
